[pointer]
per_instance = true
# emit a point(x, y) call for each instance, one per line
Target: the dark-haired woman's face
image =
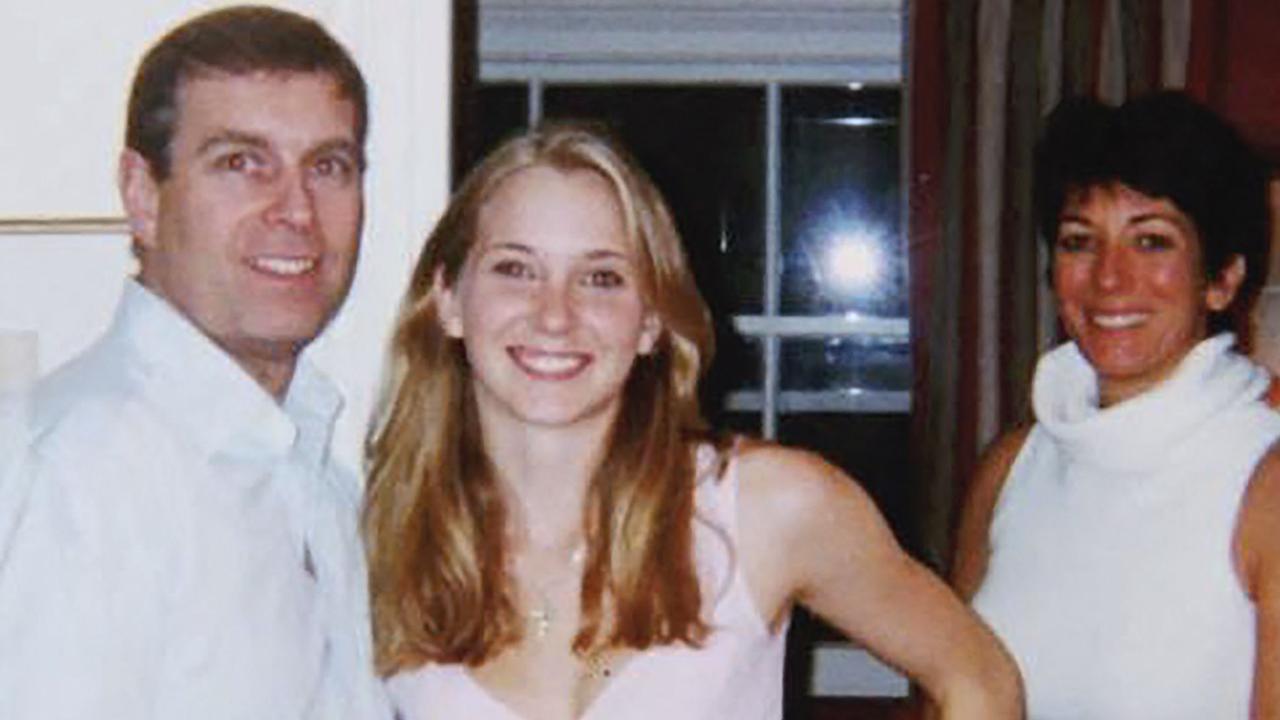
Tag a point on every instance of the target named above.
point(1130, 285)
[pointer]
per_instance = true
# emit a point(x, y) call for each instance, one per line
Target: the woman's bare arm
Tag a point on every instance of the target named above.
point(811, 535)
point(1257, 555)
point(969, 563)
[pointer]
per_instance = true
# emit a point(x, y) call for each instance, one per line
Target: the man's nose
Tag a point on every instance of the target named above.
point(293, 203)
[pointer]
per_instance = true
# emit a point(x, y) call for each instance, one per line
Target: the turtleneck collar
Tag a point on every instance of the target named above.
point(1133, 434)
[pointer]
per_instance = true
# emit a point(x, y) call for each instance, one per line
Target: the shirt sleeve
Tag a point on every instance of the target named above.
point(80, 607)
point(14, 431)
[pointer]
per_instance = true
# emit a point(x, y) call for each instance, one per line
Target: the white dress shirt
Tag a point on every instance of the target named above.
point(174, 543)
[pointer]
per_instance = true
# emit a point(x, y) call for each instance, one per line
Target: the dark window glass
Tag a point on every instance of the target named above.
point(846, 364)
point(500, 110)
point(745, 423)
point(842, 250)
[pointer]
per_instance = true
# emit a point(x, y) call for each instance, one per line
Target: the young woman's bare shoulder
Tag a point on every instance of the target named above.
point(788, 483)
point(764, 459)
point(800, 520)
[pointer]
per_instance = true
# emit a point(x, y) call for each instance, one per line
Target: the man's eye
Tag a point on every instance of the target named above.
point(333, 167)
point(238, 162)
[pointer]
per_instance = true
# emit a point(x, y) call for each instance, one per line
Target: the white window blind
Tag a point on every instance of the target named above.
point(690, 41)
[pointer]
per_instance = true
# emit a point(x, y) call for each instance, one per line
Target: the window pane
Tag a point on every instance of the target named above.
point(501, 109)
point(745, 423)
point(846, 364)
point(842, 250)
point(704, 147)
point(743, 367)
point(731, 387)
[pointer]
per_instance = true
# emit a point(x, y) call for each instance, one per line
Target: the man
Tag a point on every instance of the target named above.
point(174, 540)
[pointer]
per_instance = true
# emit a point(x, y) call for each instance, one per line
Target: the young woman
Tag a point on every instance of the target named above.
point(554, 533)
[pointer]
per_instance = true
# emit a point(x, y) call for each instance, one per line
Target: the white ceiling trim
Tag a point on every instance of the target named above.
point(686, 41)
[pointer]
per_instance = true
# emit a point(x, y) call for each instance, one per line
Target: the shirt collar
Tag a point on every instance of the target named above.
point(202, 390)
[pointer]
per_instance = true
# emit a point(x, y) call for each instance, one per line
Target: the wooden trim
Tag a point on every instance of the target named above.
point(465, 120)
point(64, 226)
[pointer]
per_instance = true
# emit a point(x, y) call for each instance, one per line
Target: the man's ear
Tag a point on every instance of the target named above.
point(140, 195)
point(1222, 289)
point(447, 306)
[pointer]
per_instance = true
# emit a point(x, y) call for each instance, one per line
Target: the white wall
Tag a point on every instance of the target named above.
point(67, 68)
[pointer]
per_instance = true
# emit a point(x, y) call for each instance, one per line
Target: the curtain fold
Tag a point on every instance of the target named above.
point(981, 75)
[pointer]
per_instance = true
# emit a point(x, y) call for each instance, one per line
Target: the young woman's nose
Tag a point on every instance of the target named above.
point(555, 308)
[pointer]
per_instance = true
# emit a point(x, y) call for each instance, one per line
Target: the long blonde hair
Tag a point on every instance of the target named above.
point(435, 519)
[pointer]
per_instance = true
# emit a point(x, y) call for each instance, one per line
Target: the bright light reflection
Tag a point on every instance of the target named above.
point(854, 262)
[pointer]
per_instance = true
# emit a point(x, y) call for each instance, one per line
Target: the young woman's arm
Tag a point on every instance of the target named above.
point(811, 535)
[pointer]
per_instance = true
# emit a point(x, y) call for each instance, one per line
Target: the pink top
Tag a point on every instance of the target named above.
point(737, 673)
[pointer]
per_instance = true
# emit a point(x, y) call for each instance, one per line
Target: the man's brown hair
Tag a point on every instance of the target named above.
point(237, 41)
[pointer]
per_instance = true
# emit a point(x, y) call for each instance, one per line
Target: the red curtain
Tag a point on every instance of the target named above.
point(1234, 66)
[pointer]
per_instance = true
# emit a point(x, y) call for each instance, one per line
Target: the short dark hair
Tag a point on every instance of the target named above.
point(1164, 145)
point(234, 40)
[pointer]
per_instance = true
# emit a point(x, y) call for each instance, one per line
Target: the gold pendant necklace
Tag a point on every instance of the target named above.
point(541, 617)
point(597, 666)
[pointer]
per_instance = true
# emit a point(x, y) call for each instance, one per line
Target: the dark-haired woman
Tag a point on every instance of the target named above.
point(1126, 547)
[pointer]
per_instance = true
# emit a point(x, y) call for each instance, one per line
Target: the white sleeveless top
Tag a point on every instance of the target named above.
point(1111, 577)
point(737, 673)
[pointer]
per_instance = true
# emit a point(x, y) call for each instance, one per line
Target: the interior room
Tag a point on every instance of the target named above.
point(851, 179)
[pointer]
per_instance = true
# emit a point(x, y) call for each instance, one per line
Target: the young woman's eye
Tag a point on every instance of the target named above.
point(604, 278)
point(513, 269)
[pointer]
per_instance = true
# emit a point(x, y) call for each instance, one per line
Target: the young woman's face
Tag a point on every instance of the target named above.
point(1131, 291)
point(549, 302)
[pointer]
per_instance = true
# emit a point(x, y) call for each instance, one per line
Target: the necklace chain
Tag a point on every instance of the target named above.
point(542, 617)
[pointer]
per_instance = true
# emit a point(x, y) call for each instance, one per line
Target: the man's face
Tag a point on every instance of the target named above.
point(254, 234)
